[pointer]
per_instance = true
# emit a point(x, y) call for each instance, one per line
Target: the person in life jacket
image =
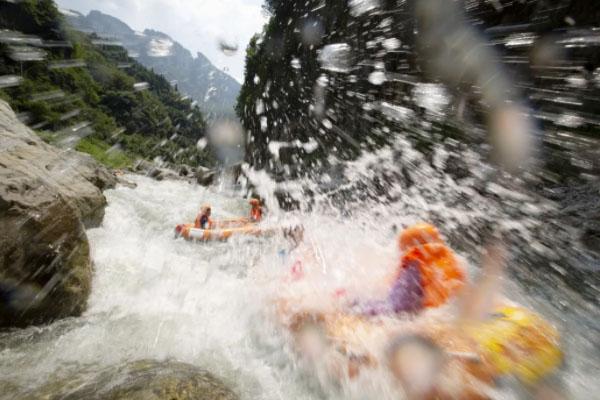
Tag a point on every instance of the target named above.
point(441, 274)
point(203, 220)
point(428, 276)
point(256, 212)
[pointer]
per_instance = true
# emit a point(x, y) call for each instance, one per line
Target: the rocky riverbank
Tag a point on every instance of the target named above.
point(47, 199)
point(200, 175)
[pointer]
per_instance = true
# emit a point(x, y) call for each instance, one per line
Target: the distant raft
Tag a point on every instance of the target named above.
point(223, 231)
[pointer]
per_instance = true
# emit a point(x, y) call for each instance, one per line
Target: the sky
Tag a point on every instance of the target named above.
point(199, 25)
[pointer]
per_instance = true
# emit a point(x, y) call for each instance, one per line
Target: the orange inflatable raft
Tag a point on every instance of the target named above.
point(222, 231)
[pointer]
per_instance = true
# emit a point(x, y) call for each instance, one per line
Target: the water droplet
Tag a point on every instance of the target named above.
point(391, 44)
point(264, 124)
point(159, 48)
point(323, 80)
point(336, 57)
point(228, 48)
point(431, 97)
point(377, 78)
point(312, 32)
point(10, 81)
point(260, 107)
point(360, 7)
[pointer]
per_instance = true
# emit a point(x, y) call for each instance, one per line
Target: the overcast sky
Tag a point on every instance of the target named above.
point(197, 24)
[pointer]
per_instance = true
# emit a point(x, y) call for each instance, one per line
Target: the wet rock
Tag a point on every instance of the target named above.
point(140, 380)
point(9, 390)
point(157, 172)
point(47, 197)
point(185, 171)
point(92, 171)
point(591, 238)
point(161, 174)
point(143, 166)
point(30, 168)
point(45, 265)
point(128, 184)
point(205, 176)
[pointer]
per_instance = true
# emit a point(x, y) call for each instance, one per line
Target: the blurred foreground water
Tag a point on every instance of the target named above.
point(211, 304)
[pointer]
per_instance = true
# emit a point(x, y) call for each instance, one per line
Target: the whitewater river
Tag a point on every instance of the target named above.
point(206, 304)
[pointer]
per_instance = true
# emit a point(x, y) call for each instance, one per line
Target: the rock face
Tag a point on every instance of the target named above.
point(140, 380)
point(28, 165)
point(47, 198)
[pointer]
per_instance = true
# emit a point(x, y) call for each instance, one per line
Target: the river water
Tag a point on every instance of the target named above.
point(209, 304)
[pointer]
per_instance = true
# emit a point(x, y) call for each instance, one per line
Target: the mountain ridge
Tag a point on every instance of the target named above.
point(215, 91)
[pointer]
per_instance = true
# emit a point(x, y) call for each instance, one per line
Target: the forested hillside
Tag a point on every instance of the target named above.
point(353, 76)
point(77, 90)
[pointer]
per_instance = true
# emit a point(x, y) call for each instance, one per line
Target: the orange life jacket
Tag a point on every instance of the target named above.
point(441, 274)
point(256, 214)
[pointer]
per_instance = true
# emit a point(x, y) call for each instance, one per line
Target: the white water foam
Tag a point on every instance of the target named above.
point(210, 304)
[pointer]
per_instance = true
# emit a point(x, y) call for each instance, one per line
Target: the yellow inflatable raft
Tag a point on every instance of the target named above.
point(513, 341)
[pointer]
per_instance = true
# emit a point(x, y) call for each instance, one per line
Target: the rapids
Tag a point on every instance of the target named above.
point(210, 304)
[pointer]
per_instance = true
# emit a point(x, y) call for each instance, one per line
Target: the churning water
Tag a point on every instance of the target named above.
point(154, 297)
point(211, 305)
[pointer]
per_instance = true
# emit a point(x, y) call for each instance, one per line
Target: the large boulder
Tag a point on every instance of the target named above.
point(140, 380)
point(45, 266)
point(205, 176)
point(27, 163)
point(47, 197)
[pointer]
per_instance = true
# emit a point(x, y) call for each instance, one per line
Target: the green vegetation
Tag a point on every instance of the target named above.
point(281, 99)
point(113, 158)
point(150, 121)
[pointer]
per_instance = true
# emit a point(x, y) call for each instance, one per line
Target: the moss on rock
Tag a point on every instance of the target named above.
point(139, 380)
